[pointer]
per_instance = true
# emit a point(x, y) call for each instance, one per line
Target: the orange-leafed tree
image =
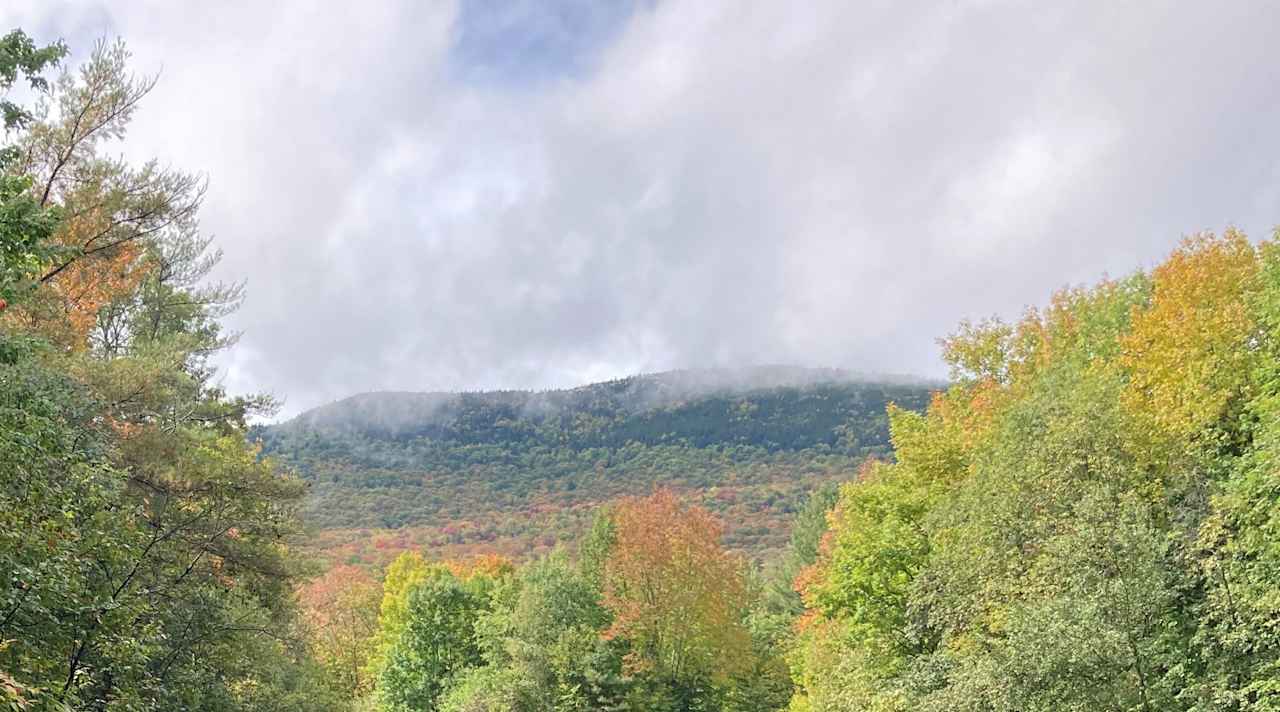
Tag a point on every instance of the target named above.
point(341, 612)
point(676, 595)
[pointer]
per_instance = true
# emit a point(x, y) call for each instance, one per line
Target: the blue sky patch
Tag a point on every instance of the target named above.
point(521, 42)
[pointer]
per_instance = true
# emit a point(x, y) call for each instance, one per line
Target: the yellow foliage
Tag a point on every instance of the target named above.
point(1190, 352)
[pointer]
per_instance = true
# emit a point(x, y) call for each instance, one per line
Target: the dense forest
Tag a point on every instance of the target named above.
point(520, 472)
point(1086, 517)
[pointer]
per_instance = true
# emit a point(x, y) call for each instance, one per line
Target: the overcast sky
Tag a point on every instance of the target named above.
point(431, 195)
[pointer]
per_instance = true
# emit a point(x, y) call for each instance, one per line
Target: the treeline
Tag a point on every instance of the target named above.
point(143, 557)
point(465, 512)
point(536, 499)
point(774, 408)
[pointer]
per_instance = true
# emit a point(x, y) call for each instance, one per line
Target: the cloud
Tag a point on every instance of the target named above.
point(426, 196)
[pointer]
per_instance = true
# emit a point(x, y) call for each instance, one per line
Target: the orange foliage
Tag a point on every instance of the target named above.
point(340, 609)
point(674, 591)
point(66, 308)
point(487, 565)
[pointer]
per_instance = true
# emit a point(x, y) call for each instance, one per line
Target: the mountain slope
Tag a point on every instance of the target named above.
point(518, 471)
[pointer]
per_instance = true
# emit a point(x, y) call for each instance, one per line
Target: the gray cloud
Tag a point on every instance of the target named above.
point(712, 183)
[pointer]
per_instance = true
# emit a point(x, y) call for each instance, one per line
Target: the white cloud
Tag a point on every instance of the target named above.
point(828, 183)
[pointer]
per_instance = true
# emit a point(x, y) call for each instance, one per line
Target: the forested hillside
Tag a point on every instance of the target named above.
point(520, 471)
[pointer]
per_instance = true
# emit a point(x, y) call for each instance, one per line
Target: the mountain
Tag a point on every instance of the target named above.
point(519, 471)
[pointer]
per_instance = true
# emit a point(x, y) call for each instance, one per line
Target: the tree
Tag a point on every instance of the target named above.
point(110, 209)
point(56, 514)
point(21, 58)
point(437, 644)
point(1238, 550)
point(545, 628)
point(675, 595)
point(1191, 353)
point(807, 529)
point(144, 553)
point(340, 609)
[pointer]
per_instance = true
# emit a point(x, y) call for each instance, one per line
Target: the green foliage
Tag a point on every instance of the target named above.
point(763, 682)
point(55, 516)
point(1239, 542)
point(492, 689)
point(593, 553)
point(544, 634)
point(402, 577)
point(128, 580)
point(437, 643)
point(25, 224)
point(25, 228)
point(20, 57)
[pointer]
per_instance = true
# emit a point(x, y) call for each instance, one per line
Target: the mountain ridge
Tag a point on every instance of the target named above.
point(519, 471)
point(679, 383)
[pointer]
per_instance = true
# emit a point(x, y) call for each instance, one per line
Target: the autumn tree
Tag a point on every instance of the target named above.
point(340, 610)
point(1239, 554)
point(144, 550)
point(110, 210)
point(676, 596)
